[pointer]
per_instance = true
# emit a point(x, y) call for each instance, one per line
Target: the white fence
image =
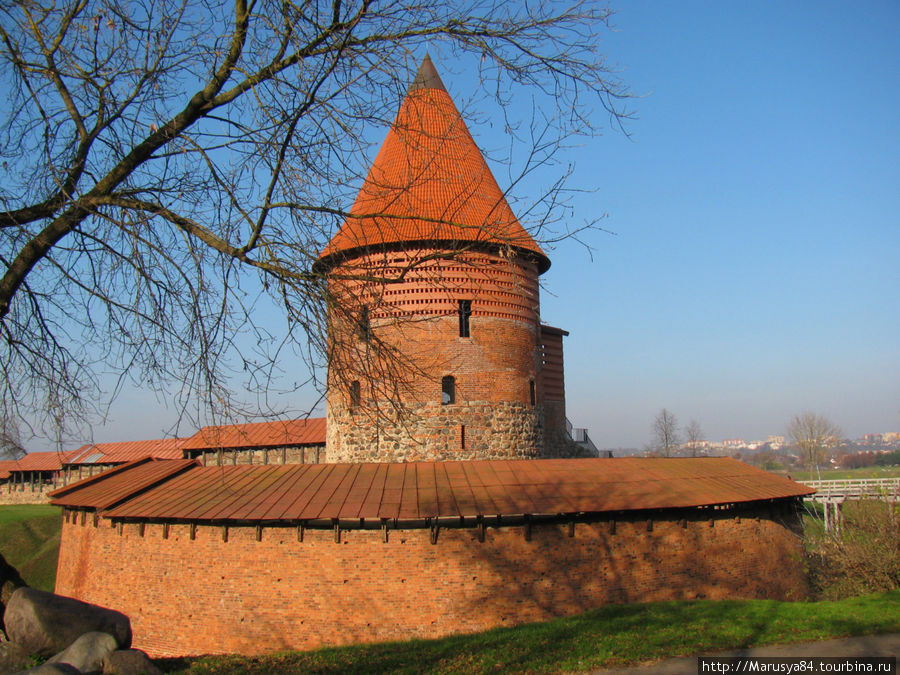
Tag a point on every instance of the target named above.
point(861, 488)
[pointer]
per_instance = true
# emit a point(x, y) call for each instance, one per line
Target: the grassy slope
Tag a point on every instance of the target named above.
point(845, 474)
point(29, 540)
point(609, 636)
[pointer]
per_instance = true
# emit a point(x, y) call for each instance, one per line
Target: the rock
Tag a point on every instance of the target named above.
point(129, 662)
point(44, 623)
point(51, 669)
point(10, 582)
point(87, 652)
point(14, 658)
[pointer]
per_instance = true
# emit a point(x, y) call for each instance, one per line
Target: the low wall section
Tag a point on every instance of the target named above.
point(243, 595)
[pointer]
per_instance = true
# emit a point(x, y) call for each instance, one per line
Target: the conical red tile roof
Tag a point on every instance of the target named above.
point(430, 184)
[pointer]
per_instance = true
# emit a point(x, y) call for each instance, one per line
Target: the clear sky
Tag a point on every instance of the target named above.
point(755, 268)
point(755, 272)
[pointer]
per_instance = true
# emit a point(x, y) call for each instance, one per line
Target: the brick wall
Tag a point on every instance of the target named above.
point(207, 595)
point(409, 338)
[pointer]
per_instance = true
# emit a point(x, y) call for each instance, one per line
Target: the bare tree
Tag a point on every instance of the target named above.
point(665, 434)
point(167, 164)
point(693, 434)
point(813, 435)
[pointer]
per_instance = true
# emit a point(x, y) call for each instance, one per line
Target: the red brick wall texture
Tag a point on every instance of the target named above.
point(409, 340)
point(246, 596)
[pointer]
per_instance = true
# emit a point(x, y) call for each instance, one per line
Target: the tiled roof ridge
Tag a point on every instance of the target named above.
point(430, 183)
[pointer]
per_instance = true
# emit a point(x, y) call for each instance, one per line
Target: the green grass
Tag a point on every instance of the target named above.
point(847, 474)
point(29, 540)
point(606, 637)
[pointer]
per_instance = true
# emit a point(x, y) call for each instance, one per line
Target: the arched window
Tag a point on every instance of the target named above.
point(448, 390)
point(354, 394)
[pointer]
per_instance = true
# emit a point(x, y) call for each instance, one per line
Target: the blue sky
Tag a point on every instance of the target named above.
point(755, 272)
point(755, 268)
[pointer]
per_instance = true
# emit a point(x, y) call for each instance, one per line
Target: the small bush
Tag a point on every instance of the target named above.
point(863, 556)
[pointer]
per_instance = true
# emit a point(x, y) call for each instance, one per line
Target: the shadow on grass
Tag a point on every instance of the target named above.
point(612, 635)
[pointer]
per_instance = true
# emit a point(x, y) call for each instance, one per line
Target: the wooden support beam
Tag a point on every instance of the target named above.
point(141, 528)
point(649, 526)
point(193, 531)
point(384, 531)
point(572, 528)
point(300, 532)
point(612, 526)
point(480, 527)
point(120, 527)
point(258, 532)
point(433, 527)
point(337, 530)
point(527, 527)
point(165, 530)
point(225, 533)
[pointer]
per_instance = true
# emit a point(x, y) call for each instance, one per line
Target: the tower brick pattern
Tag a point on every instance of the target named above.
point(436, 349)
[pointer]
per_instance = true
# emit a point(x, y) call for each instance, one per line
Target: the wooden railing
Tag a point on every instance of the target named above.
point(876, 488)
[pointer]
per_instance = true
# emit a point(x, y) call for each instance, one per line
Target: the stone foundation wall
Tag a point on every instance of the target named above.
point(472, 430)
point(38, 495)
point(217, 594)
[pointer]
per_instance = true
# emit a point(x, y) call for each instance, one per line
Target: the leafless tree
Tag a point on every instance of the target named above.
point(169, 166)
point(813, 435)
point(693, 435)
point(665, 434)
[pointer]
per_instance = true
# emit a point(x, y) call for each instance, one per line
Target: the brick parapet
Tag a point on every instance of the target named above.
point(243, 595)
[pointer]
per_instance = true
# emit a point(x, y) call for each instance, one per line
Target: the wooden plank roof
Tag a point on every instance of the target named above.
point(119, 484)
point(270, 434)
point(40, 461)
point(127, 451)
point(421, 490)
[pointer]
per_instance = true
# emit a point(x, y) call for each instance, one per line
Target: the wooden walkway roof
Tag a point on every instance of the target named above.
point(186, 491)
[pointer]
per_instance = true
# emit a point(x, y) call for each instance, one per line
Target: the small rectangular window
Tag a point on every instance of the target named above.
point(355, 397)
point(465, 312)
point(363, 323)
point(532, 392)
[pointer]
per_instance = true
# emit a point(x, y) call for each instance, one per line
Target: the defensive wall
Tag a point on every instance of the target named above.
point(204, 588)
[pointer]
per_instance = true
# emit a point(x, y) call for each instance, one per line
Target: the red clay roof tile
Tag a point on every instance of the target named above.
point(270, 434)
point(127, 451)
point(430, 183)
point(41, 461)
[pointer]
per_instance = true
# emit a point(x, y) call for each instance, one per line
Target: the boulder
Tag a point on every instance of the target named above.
point(87, 652)
point(10, 582)
point(51, 669)
point(14, 658)
point(129, 662)
point(44, 623)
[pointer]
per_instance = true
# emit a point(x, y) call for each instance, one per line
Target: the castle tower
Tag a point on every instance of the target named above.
point(436, 349)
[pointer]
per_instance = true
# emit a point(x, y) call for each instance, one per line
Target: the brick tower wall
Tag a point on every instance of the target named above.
point(249, 593)
point(398, 334)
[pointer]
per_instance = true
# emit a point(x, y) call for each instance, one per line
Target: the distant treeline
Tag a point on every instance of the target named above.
point(865, 459)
